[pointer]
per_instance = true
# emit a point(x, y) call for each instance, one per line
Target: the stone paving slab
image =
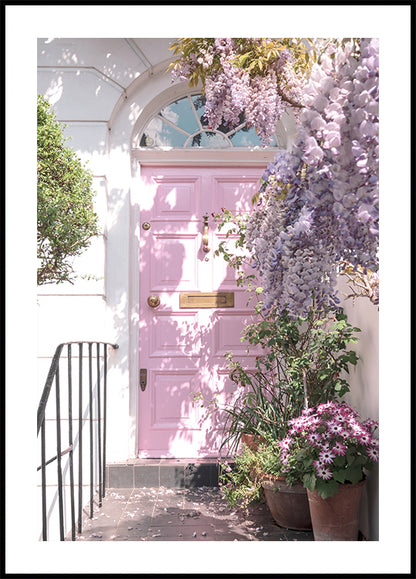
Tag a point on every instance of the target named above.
point(197, 514)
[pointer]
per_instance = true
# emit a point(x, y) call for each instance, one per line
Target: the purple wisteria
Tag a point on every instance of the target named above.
point(230, 89)
point(319, 202)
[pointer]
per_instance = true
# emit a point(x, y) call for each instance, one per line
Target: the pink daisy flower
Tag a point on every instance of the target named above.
point(285, 443)
point(358, 430)
point(323, 473)
point(373, 453)
point(314, 421)
point(365, 439)
point(296, 421)
point(324, 407)
point(335, 427)
point(314, 438)
point(297, 424)
point(339, 448)
point(326, 456)
point(369, 423)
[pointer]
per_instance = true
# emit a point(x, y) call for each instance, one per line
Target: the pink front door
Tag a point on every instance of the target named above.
point(182, 341)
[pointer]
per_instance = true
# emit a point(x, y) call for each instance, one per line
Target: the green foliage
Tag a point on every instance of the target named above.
point(301, 364)
point(259, 406)
point(241, 482)
point(65, 216)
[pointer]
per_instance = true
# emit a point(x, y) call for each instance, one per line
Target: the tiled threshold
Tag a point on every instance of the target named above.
point(166, 472)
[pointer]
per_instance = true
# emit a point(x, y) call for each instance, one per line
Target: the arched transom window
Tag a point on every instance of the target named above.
point(183, 124)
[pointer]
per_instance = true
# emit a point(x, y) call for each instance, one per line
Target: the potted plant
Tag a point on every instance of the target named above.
point(330, 449)
point(256, 475)
point(240, 479)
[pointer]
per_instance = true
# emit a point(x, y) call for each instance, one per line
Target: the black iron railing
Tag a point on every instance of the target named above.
point(92, 411)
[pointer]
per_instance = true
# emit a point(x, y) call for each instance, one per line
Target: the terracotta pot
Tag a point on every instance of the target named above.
point(251, 440)
point(288, 505)
point(336, 518)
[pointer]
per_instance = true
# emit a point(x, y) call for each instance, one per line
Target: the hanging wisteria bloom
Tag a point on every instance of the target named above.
point(322, 456)
point(319, 202)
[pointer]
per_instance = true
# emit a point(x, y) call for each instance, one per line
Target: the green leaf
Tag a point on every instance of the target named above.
point(309, 481)
point(340, 476)
point(327, 489)
point(354, 475)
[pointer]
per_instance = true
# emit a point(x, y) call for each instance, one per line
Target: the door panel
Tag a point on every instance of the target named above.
point(183, 348)
point(172, 265)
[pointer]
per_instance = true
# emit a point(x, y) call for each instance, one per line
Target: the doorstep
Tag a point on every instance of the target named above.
point(166, 472)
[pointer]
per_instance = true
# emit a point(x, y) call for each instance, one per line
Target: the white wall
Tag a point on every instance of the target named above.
point(364, 391)
point(83, 98)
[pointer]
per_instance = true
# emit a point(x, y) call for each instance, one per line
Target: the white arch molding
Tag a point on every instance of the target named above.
point(257, 155)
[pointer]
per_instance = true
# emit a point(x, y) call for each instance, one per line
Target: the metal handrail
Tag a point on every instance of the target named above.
point(54, 377)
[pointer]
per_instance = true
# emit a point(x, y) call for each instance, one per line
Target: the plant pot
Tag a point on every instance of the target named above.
point(251, 440)
point(288, 505)
point(336, 518)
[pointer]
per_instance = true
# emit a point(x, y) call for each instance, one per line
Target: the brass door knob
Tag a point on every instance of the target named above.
point(153, 301)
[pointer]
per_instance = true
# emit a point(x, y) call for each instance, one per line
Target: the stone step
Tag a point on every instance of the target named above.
point(163, 472)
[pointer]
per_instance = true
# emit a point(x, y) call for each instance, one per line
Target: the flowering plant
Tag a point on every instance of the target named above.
point(328, 445)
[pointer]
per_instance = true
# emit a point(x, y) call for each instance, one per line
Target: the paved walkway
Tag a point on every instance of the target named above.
point(195, 514)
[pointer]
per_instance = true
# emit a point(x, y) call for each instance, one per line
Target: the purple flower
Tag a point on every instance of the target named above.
point(312, 153)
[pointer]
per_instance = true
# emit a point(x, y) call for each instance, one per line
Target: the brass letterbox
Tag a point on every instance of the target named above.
point(206, 300)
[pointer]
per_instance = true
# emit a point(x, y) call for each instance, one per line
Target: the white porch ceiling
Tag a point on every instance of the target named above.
point(119, 59)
